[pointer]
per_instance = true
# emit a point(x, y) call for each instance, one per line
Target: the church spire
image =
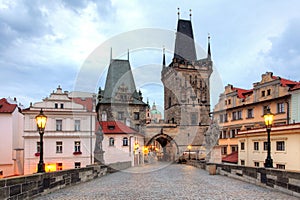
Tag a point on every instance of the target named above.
point(208, 48)
point(184, 42)
point(164, 58)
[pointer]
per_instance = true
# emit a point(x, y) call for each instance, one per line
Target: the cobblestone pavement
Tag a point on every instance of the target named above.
point(165, 182)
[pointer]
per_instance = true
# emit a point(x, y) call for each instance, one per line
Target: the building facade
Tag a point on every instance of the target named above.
point(284, 147)
point(12, 147)
point(243, 109)
point(121, 143)
point(69, 133)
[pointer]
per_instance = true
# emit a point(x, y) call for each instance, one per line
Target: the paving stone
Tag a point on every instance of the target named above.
point(165, 181)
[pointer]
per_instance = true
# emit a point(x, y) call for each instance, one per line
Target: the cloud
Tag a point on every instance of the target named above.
point(284, 55)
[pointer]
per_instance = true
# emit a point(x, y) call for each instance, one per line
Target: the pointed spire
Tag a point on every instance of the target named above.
point(127, 54)
point(190, 14)
point(208, 48)
point(178, 13)
point(164, 58)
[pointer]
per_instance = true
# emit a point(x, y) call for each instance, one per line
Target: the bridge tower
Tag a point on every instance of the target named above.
point(186, 83)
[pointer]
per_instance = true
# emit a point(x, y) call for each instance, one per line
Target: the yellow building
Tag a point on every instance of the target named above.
point(240, 109)
point(285, 148)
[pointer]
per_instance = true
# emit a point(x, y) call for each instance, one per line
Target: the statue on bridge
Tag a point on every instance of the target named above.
point(211, 141)
point(98, 152)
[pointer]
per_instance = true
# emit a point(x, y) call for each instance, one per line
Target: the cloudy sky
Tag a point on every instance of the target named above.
point(44, 44)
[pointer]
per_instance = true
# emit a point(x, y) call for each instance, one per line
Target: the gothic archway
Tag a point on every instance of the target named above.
point(168, 144)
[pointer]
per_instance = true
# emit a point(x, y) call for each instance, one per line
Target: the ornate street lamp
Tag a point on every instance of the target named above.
point(268, 116)
point(41, 120)
point(189, 148)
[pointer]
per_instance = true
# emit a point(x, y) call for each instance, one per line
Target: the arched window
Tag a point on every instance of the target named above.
point(125, 141)
point(104, 116)
point(111, 141)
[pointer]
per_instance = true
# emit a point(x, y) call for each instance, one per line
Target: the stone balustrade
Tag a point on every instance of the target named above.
point(284, 181)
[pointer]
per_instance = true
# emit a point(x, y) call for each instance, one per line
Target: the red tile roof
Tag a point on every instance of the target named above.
point(240, 92)
point(231, 158)
point(86, 102)
point(285, 82)
point(115, 127)
point(296, 87)
point(6, 107)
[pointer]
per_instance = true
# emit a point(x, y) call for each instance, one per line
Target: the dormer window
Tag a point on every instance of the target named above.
point(61, 105)
point(111, 127)
point(263, 93)
point(56, 105)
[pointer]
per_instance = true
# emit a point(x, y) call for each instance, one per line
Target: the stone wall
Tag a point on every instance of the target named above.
point(29, 186)
point(284, 181)
point(113, 167)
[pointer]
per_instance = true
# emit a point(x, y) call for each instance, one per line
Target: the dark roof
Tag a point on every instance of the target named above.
point(6, 107)
point(184, 44)
point(119, 73)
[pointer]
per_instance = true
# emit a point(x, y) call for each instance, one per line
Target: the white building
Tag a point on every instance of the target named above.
point(121, 143)
point(69, 133)
point(295, 104)
point(11, 145)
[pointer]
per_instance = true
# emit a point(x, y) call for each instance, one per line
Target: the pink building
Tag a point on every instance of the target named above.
point(11, 146)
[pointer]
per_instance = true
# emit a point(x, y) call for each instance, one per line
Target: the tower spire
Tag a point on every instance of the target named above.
point(190, 14)
point(178, 13)
point(127, 54)
point(208, 48)
point(164, 58)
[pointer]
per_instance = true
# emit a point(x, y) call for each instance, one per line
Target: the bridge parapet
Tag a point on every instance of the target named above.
point(29, 186)
point(282, 180)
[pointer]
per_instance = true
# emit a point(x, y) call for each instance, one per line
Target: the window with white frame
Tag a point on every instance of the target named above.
point(265, 146)
point(250, 113)
point(280, 108)
point(58, 125)
point(111, 141)
point(232, 133)
point(234, 115)
point(242, 162)
point(280, 146)
point(239, 114)
point(125, 141)
point(77, 146)
point(242, 145)
point(225, 117)
point(77, 125)
point(59, 147)
point(256, 146)
point(224, 150)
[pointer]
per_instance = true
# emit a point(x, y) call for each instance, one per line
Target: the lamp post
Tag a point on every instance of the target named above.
point(41, 120)
point(189, 147)
point(268, 116)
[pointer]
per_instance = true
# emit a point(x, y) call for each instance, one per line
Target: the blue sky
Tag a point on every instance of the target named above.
point(45, 44)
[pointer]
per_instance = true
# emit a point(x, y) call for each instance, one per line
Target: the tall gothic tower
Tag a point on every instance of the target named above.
point(186, 81)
